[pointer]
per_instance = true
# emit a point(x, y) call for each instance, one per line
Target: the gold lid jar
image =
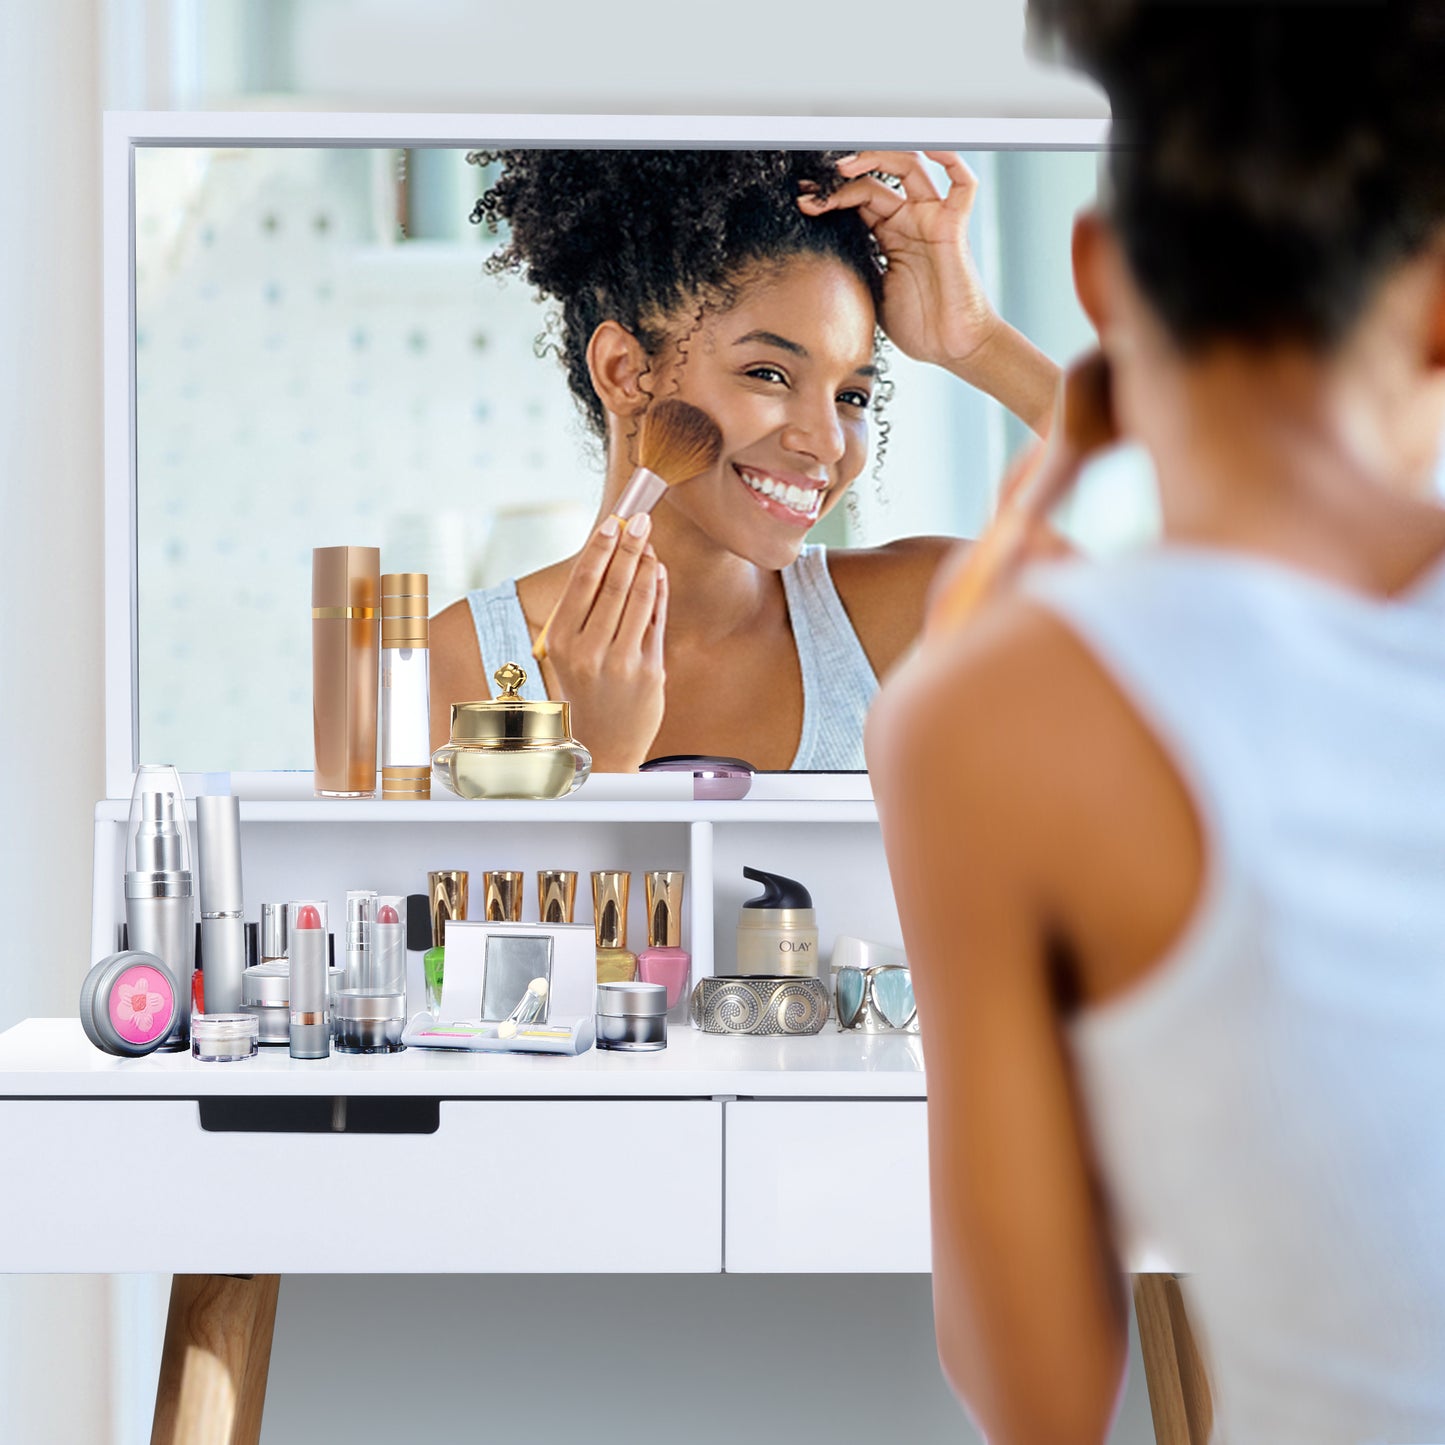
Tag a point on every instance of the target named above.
point(507, 747)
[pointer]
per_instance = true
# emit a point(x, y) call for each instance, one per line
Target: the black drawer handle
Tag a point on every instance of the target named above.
point(361, 1114)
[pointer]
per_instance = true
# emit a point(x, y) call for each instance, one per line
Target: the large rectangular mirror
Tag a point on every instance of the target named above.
point(316, 355)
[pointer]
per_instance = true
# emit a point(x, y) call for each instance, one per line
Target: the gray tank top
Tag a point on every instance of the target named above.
point(838, 680)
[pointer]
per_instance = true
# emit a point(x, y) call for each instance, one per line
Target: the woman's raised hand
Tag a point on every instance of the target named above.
point(605, 644)
point(934, 306)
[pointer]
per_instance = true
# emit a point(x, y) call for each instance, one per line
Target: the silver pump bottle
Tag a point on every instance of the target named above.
point(160, 907)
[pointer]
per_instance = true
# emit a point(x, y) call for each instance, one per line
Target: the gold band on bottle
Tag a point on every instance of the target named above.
point(329, 614)
point(404, 621)
point(400, 783)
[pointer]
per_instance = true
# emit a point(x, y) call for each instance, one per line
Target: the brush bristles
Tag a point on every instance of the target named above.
point(678, 441)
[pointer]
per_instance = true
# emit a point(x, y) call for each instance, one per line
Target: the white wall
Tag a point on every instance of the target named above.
point(60, 61)
point(50, 624)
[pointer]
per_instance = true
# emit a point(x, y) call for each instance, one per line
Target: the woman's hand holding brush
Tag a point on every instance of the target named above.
point(605, 644)
point(603, 639)
point(676, 442)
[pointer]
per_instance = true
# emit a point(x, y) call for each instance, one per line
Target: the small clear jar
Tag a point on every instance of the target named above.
point(224, 1038)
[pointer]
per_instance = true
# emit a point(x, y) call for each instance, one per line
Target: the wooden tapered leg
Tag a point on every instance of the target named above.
point(215, 1360)
point(1173, 1369)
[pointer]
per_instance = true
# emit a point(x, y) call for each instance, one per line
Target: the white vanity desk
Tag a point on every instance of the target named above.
point(738, 1154)
point(750, 1155)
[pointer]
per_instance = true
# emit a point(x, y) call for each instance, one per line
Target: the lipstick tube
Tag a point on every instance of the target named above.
point(345, 636)
point(223, 925)
point(371, 1006)
point(405, 688)
point(310, 1032)
point(160, 905)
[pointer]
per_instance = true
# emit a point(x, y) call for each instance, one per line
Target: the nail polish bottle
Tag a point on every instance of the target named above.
point(502, 902)
point(556, 895)
point(448, 889)
point(664, 961)
point(609, 912)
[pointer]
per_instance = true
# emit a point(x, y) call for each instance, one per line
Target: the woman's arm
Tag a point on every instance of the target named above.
point(1029, 1304)
point(934, 305)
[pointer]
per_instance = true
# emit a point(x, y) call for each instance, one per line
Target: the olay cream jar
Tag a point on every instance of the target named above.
point(777, 930)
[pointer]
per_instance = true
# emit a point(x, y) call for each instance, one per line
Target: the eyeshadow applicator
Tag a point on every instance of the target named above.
point(676, 441)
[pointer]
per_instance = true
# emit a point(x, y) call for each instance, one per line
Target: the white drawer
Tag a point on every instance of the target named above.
point(501, 1186)
point(827, 1188)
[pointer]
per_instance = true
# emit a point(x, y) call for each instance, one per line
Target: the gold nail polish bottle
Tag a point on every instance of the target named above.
point(609, 911)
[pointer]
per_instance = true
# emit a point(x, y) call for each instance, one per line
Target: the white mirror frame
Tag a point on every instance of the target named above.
point(125, 130)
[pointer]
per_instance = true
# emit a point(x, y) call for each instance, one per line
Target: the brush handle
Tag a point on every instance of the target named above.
point(539, 647)
point(1084, 425)
point(641, 494)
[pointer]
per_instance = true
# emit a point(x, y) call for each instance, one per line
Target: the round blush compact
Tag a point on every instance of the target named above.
point(128, 1003)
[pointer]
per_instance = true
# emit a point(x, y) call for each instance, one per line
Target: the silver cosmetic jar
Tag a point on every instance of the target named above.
point(266, 993)
point(368, 1023)
point(632, 1016)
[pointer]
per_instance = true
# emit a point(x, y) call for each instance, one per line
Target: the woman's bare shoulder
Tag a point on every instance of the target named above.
point(1053, 762)
point(885, 589)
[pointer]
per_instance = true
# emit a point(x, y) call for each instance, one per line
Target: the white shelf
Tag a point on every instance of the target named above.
point(51, 1058)
point(564, 810)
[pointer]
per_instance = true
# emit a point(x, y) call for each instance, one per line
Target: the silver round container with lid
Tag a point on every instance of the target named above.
point(367, 1022)
point(631, 1016)
point(266, 993)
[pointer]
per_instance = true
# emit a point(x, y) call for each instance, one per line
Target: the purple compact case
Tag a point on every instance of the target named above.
point(128, 1003)
point(712, 778)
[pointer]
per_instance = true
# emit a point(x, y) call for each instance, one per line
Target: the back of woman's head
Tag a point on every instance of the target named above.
point(1271, 162)
point(645, 237)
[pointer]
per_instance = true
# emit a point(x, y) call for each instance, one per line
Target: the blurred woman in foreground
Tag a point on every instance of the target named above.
point(1168, 834)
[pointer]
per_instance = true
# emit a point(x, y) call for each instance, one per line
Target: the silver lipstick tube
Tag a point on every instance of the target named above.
point(310, 1031)
point(223, 926)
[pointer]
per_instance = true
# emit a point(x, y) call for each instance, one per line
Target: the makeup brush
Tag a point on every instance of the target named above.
point(676, 441)
point(1084, 425)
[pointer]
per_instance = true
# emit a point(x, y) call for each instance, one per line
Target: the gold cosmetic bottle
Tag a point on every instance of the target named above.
point(556, 895)
point(345, 655)
point(502, 896)
point(609, 911)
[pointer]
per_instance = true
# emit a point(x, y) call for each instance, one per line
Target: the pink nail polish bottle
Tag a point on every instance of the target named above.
point(662, 961)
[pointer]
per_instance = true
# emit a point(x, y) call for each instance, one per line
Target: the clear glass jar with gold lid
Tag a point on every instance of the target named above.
point(508, 747)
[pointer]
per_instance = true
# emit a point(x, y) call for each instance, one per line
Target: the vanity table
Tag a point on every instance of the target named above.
point(717, 1154)
point(753, 1155)
point(736, 1155)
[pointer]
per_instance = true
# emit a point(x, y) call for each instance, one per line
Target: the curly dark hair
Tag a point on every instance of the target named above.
point(642, 237)
point(1273, 160)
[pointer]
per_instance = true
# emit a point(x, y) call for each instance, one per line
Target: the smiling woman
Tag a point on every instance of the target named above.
point(754, 286)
